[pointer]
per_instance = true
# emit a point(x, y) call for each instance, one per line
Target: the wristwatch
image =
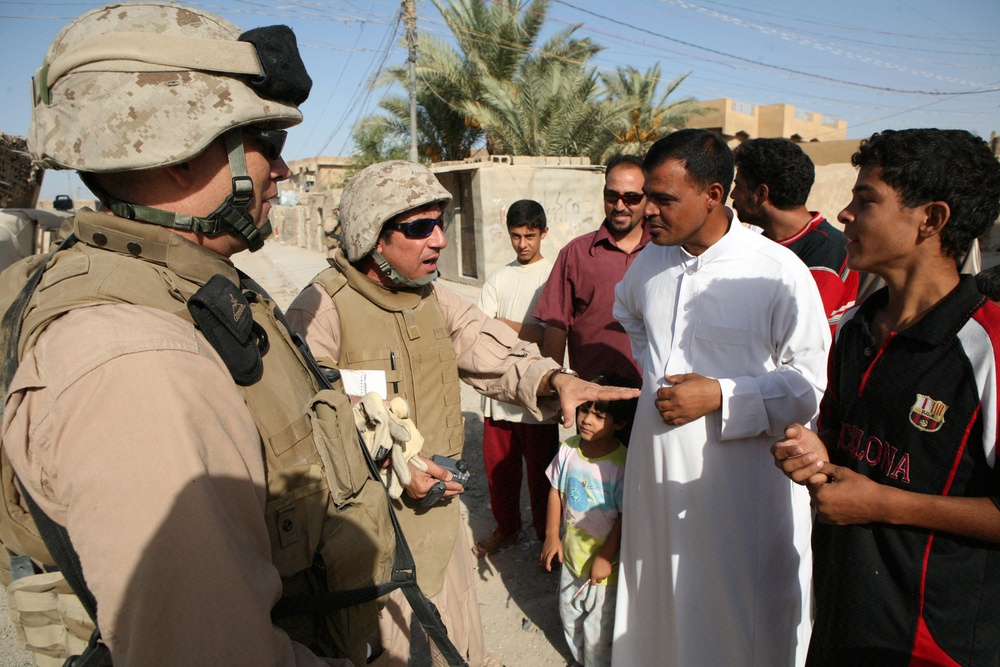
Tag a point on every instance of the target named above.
point(560, 371)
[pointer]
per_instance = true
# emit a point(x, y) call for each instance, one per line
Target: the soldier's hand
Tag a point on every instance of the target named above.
point(574, 392)
point(422, 481)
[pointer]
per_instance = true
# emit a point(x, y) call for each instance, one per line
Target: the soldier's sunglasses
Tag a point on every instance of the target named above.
point(269, 142)
point(418, 229)
point(628, 198)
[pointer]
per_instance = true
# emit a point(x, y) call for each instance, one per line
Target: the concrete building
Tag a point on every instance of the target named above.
point(309, 201)
point(736, 121)
point(317, 174)
point(482, 188)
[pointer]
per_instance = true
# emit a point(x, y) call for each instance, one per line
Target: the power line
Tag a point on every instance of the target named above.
point(356, 99)
point(794, 36)
point(769, 66)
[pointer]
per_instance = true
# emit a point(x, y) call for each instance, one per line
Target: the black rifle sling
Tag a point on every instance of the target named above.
point(55, 536)
point(404, 569)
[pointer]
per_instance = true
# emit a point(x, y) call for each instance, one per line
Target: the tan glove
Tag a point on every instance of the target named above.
point(390, 432)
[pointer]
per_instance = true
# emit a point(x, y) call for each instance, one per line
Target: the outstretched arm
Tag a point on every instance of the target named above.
point(573, 392)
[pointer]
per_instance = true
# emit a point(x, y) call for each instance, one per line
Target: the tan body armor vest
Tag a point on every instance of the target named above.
point(320, 497)
point(403, 332)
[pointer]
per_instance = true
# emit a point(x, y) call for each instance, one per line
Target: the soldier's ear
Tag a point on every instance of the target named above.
point(180, 175)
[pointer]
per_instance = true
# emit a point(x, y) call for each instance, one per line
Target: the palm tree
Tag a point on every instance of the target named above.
point(647, 116)
point(550, 107)
point(523, 100)
point(498, 43)
point(493, 37)
point(443, 133)
point(495, 41)
point(376, 140)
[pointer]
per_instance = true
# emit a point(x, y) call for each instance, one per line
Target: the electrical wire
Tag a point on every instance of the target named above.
point(779, 68)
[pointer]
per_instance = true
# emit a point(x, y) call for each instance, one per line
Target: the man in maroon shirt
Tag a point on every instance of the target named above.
point(576, 302)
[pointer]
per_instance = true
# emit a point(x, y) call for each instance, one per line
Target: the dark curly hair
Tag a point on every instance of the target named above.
point(706, 158)
point(779, 164)
point(988, 283)
point(953, 166)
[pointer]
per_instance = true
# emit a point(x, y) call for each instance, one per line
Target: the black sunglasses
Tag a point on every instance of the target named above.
point(270, 142)
point(628, 198)
point(418, 229)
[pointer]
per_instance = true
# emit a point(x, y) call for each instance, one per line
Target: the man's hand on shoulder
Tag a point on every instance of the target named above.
point(691, 397)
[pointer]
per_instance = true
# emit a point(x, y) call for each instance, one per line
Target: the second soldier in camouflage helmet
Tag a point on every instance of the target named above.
point(424, 339)
point(159, 411)
point(399, 187)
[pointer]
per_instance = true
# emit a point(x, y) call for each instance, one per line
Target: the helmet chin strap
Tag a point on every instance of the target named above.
point(232, 215)
point(396, 277)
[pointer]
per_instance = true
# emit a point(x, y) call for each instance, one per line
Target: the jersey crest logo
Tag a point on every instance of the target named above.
point(927, 414)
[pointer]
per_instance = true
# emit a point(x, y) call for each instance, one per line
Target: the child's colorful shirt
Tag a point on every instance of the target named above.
point(591, 492)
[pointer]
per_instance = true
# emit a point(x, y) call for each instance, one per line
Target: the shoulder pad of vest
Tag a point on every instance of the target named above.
point(332, 280)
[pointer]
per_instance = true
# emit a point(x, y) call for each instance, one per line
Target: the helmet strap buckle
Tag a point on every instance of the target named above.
point(242, 191)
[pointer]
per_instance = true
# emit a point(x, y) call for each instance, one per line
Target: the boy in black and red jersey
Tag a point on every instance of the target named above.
point(903, 472)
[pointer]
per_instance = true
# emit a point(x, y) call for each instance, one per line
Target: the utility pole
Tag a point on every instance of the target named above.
point(410, 20)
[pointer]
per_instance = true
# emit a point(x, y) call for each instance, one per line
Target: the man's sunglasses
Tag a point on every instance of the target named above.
point(269, 142)
point(628, 198)
point(418, 229)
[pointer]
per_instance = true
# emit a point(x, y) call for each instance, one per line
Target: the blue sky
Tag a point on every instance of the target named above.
point(876, 64)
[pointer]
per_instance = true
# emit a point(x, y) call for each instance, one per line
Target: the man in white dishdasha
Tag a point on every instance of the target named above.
point(729, 330)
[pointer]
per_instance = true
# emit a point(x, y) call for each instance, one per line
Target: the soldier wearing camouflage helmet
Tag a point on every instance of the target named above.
point(160, 411)
point(424, 338)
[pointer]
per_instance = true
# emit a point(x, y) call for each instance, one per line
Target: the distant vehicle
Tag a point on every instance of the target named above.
point(62, 203)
